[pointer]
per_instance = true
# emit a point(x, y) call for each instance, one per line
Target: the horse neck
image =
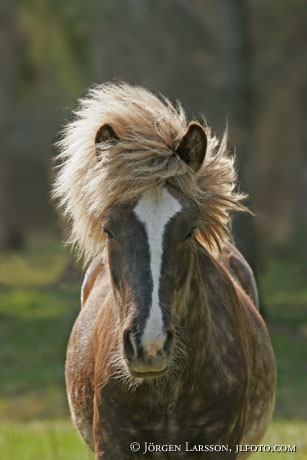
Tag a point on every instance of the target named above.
point(205, 317)
point(195, 316)
point(217, 321)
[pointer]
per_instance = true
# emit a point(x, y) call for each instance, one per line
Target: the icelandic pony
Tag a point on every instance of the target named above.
point(169, 350)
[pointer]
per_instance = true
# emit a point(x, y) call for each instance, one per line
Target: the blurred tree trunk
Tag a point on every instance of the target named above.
point(236, 66)
point(279, 35)
point(11, 233)
point(301, 202)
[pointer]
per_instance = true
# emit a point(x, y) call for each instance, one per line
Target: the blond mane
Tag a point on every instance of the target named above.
point(90, 178)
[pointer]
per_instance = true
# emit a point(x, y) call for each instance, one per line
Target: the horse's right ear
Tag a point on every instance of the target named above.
point(105, 134)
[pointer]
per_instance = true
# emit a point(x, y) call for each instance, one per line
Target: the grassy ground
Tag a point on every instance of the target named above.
point(39, 299)
point(35, 319)
point(42, 440)
point(285, 289)
point(57, 440)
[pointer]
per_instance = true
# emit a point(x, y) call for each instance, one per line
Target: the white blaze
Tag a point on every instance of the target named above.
point(155, 212)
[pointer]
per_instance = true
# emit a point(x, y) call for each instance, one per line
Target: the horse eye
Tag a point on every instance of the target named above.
point(190, 234)
point(107, 232)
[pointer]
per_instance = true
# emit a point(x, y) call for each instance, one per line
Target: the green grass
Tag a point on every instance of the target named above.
point(35, 322)
point(285, 289)
point(39, 265)
point(42, 440)
point(39, 300)
point(57, 440)
point(285, 433)
point(33, 381)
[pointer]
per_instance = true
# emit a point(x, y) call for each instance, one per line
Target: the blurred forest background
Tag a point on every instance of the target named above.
point(240, 63)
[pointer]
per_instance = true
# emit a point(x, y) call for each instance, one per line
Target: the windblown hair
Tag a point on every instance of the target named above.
point(91, 177)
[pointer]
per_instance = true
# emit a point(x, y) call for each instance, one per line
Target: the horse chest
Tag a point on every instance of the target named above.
point(170, 416)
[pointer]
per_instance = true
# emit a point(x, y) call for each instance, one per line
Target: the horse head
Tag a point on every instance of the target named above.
point(151, 241)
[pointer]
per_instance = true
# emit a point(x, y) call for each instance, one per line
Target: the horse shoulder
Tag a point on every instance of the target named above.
point(261, 361)
point(79, 367)
point(92, 273)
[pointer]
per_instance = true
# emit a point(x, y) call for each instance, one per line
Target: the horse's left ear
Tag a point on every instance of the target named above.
point(105, 134)
point(193, 145)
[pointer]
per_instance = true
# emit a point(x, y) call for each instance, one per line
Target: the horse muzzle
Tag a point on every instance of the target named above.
point(149, 360)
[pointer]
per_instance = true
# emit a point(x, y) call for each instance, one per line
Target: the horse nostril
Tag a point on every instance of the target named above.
point(169, 341)
point(130, 346)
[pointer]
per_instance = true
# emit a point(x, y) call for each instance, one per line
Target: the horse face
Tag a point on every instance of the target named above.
point(150, 247)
